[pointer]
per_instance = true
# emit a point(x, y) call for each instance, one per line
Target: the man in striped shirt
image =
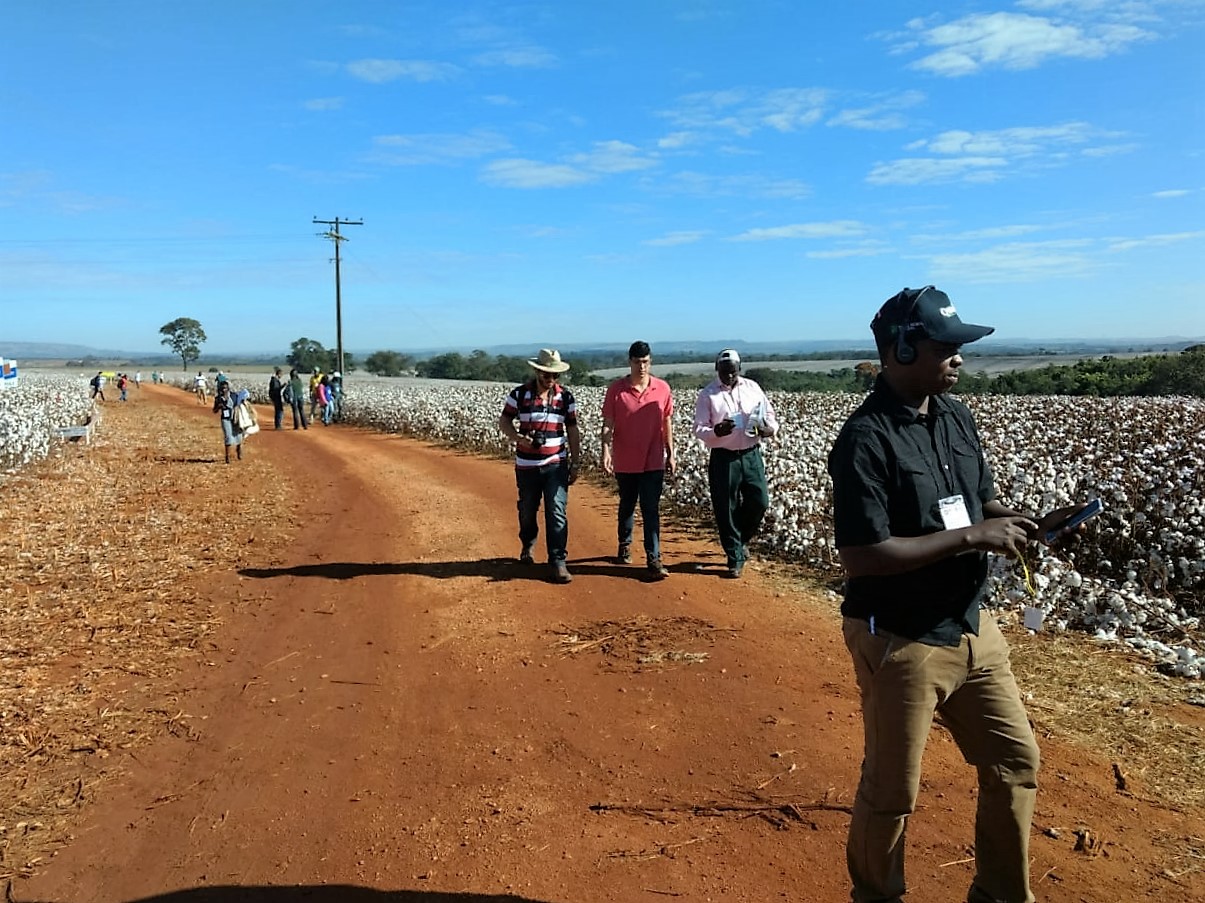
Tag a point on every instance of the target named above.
point(540, 418)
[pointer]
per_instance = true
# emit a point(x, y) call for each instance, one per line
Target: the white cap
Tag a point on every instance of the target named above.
point(728, 355)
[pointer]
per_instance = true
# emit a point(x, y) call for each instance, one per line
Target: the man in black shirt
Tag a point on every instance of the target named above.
point(915, 512)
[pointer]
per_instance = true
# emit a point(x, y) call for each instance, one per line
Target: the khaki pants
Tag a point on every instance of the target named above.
point(971, 688)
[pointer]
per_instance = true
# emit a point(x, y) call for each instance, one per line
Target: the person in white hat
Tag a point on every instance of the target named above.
point(732, 416)
point(540, 418)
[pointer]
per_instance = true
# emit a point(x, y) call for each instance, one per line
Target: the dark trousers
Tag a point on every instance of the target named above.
point(549, 484)
point(299, 414)
point(739, 497)
point(644, 488)
point(278, 408)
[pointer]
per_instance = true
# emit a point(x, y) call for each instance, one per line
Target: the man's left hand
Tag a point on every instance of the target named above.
point(574, 471)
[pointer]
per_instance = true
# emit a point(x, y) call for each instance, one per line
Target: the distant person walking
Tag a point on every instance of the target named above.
point(201, 388)
point(315, 379)
point(97, 384)
point(732, 416)
point(638, 448)
point(137, 379)
point(540, 418)
point(275, 388)
point(224, 404)
point(323, 391)
point(122, 384)
point(293, 393)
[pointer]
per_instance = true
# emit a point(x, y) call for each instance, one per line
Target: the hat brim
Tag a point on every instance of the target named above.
point(550, 368)
point(960, 333)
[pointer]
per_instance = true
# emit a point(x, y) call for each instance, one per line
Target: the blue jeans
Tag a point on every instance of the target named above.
point(646, 488)
point(549, 484)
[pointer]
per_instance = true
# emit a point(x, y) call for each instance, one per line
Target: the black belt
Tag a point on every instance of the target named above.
point(736, 453)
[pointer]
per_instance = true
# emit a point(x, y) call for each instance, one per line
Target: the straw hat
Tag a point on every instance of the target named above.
point(549, 360)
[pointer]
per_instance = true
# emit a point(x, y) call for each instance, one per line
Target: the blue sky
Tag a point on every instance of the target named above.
point(563, 172)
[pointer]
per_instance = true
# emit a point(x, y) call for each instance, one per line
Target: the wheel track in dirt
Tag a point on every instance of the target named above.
point(397, 709)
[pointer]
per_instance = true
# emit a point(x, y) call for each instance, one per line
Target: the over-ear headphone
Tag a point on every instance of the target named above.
point(905, 351)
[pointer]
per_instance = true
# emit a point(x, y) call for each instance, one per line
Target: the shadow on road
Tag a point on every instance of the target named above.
point(496, 569)
point(336, 893)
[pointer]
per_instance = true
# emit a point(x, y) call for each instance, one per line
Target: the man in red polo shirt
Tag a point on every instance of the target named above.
point(638, 448)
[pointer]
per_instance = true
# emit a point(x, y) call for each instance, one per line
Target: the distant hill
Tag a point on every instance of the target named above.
point(53, 351)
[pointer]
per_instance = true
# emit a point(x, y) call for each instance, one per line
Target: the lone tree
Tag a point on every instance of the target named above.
point(184, 336)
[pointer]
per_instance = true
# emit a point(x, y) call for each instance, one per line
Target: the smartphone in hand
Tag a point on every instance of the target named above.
point(1088, 512)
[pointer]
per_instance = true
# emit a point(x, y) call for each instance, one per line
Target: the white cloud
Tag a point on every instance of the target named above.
point(1171, 193)
point(419, 149)
point(673, 239)
point(1154, 241)
point(520, 173)
point(500, 100)
point(1024, 141)
point(987, 156)
point(833, 229)
point(923, 170)
point(382, 71)
point(706, 185)
point(1016, 41)
point(676, 140)
point(865, 249)
point(880, 115)
point(1017, 262)
point(746, 112)
point(322, 104)
point(613, 156)
point(517, 58)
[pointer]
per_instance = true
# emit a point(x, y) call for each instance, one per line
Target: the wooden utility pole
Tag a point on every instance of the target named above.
point(333, 235)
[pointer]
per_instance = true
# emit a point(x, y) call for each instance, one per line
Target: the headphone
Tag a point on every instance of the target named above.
point(905, 351)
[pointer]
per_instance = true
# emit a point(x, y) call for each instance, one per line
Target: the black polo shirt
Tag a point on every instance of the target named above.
point(890, 466)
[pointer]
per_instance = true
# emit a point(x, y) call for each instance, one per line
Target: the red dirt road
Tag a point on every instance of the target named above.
point(404, 713)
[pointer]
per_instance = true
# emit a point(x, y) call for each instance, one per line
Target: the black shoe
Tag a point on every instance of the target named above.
point(734, 570)
point(657, 570)
point(624, 555)
point(525, 557)
point(560, 573)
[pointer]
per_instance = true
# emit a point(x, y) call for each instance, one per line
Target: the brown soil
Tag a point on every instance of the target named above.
point(390, 707)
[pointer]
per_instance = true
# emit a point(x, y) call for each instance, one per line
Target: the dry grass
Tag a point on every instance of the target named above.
point(104, 551)
point(1100, 695)
point(1115, 702)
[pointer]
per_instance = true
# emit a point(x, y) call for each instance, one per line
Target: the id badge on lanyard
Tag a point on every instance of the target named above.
point(954, 512)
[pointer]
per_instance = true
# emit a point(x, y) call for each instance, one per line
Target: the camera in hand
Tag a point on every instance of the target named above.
point(536, 440)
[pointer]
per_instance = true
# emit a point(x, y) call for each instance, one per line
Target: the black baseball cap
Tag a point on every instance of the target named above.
point(926, 312)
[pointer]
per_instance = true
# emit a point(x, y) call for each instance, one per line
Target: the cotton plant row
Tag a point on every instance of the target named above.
point(1137, 574)
point(33, 410)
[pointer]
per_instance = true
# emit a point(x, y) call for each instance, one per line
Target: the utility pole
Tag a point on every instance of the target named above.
point(333, 235)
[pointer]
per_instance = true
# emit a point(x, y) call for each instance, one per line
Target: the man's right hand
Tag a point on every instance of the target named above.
point(725, 427)
point(1001, 534)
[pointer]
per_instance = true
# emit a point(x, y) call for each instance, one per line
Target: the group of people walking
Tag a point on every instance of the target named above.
point(324, 392)
point(915, 513)
point(732, 417)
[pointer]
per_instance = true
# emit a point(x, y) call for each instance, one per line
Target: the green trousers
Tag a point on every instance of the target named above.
point(739, 497)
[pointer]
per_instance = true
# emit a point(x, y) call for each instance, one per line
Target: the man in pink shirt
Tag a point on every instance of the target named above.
point(638, 448)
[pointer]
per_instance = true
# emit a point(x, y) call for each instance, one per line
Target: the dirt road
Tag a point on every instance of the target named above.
point(400, 711)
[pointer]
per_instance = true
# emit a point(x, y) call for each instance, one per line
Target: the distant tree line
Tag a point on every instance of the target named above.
point(1154, 374)
point(494, 368)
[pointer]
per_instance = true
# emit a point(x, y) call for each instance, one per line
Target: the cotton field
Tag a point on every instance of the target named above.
point(33, 410)
point(1136, 575)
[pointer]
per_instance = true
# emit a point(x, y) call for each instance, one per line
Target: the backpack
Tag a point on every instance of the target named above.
point(286, 393)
